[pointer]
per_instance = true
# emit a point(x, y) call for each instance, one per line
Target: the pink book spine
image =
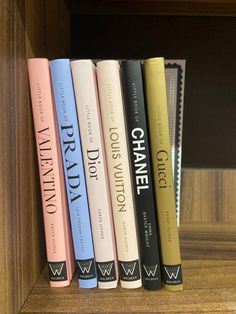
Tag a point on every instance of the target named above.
point(55, 211)
point(85, 85)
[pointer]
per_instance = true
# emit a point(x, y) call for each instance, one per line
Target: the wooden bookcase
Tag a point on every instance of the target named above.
point(203, 32)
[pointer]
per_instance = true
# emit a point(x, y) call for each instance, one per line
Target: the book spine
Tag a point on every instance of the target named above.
point(163, 175)
point(110, 94)
point(55, 211)
point(134, 104)
point(74, 171)
point(85, 85)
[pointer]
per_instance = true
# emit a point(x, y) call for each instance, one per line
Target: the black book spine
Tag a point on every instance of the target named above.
point(140, 158)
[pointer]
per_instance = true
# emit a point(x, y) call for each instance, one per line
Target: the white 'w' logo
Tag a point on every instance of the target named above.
point(150, 270)
point(84, 266)
point(105, 268)
point(129, 268)
point(56, 268)
point(172, 272)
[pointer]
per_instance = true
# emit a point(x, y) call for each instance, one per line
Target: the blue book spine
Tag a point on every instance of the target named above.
point(74, 171)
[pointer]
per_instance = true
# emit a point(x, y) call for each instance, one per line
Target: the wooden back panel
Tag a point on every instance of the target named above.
point(208, 217)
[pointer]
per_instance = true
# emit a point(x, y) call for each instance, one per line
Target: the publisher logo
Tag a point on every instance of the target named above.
point(150, 270)
point(57, 271)
point(106, 271)
point(129, 271)
point(172, 274)
point(86, 268)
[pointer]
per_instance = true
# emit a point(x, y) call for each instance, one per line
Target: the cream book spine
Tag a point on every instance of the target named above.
point(55, 211)
point(112, 111)
point(163, 175)
point(85, 86)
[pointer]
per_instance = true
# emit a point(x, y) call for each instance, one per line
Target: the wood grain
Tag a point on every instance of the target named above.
point(154, 7)
point(209, 287)
point(47, 29)
point(18, 173)
point(208, 196)
point(208, 241)
point(208, 216)
point(21, 232)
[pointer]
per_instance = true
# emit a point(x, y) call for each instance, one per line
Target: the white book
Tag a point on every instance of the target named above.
point(85, 86)
point(112, 111)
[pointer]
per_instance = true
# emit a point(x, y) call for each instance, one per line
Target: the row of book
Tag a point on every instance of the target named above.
point(107, 194)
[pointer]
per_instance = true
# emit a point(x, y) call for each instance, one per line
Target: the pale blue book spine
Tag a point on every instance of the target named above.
point(74, 171)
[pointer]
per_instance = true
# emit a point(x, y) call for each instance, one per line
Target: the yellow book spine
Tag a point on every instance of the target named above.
point(163, 176)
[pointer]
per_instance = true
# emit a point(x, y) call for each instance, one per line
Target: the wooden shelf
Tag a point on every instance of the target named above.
point(209, 286)
point(41, 28)
point(154, 7)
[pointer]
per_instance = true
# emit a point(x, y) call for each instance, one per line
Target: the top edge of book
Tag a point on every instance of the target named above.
point(114, 62)
point(142, 60)
point(131, 61)
point(95, 61)
point(153, 60)
point(62, 60)
point(30, 60)
point(82, 61)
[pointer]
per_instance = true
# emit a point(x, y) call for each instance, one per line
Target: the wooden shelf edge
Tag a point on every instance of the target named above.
point(153, 7)
point(208, 241)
